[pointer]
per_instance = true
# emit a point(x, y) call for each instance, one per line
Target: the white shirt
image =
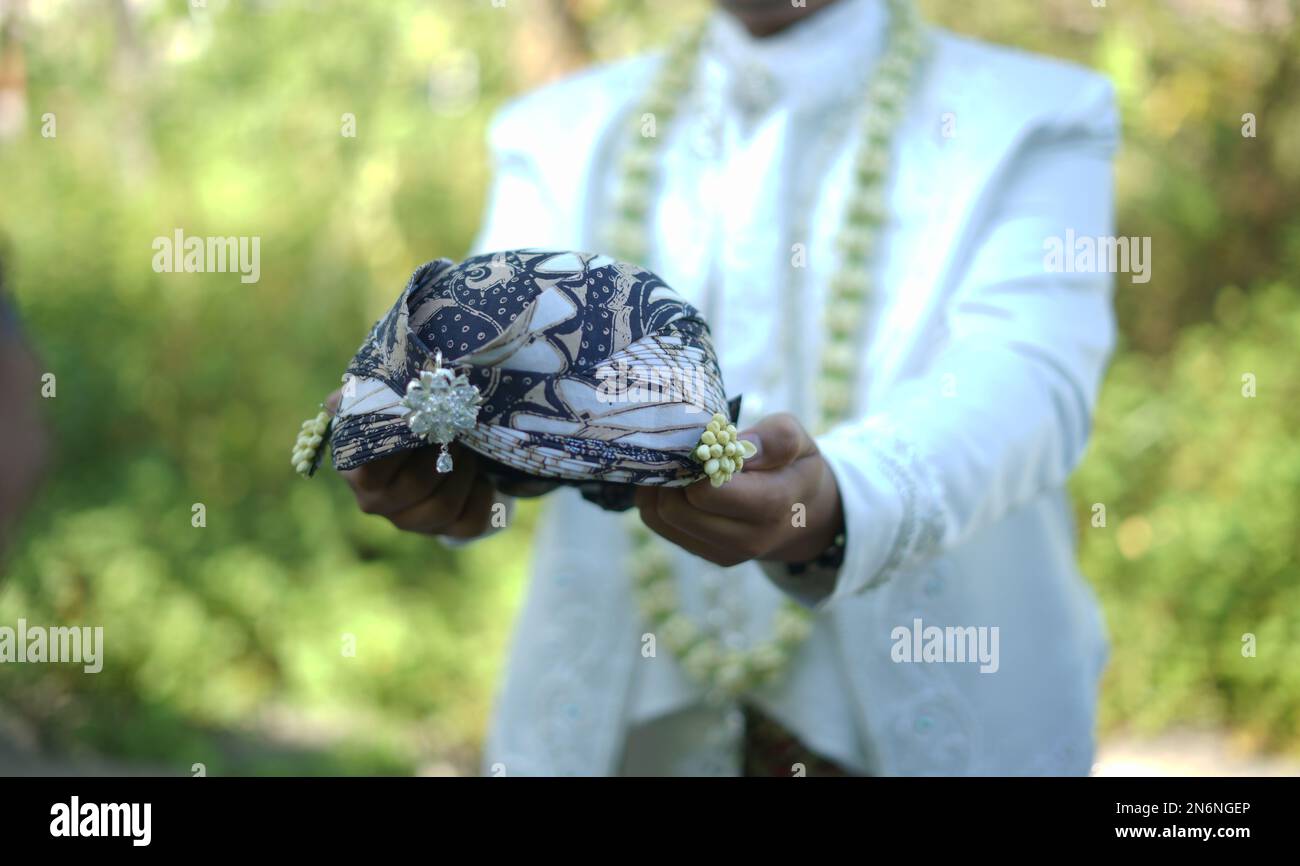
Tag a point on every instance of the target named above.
point(978, 373)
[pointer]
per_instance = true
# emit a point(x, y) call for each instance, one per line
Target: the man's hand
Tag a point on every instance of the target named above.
point(408, 490)
point(755, 515)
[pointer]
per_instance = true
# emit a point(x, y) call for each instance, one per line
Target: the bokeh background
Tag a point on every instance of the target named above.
point(224, 118)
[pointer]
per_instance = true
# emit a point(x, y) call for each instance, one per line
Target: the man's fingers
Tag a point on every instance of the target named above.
point(375, 475)
point(749, 498)
point(649, 505)
point(780, 440)
point(437, 511)
point(648, 508)
point(415, 480)
point(332, 402)
point(476, 515)
point(678, 511)
point(393, 484)
point(428, 516)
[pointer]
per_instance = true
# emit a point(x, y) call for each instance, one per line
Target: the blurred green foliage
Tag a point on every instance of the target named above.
point(175, 389)
point(1196, 460)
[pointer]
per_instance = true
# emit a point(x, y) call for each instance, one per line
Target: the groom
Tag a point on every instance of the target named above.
point(939, 495)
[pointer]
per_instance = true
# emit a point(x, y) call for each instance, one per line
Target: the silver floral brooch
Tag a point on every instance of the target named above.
point(443, 405)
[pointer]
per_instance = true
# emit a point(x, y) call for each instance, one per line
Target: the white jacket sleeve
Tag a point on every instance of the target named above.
point(1001, 412)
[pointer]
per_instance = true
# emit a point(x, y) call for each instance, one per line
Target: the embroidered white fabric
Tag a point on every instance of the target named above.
point(979, 372)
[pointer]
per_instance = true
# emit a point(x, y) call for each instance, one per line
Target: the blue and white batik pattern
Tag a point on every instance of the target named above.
point(590, 369)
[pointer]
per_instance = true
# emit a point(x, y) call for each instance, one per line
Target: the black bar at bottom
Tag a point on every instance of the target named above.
point(619, 816)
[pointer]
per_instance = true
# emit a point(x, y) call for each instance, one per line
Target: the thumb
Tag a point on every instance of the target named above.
point(780, 440)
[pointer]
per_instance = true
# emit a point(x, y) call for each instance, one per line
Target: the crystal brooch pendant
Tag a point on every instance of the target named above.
point(443, 405)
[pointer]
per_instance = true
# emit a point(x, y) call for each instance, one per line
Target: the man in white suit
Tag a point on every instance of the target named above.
point(934, 513)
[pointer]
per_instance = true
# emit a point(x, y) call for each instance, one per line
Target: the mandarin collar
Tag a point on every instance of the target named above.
point(821, 58)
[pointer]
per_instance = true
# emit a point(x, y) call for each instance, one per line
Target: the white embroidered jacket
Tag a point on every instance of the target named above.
point(979, 370)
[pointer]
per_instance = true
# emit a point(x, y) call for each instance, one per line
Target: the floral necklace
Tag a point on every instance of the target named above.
point(725, 672)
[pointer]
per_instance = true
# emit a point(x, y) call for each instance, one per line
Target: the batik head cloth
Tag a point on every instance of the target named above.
point(586, 369)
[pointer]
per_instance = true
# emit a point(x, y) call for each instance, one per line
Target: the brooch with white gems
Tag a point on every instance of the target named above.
point(443, 405)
